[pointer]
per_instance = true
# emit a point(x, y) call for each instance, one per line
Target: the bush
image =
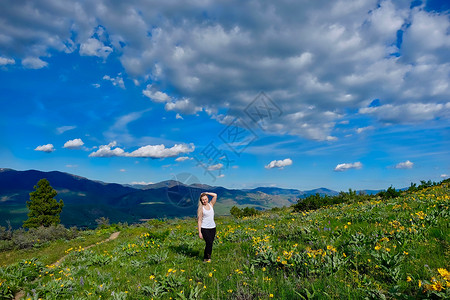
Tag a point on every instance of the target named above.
point(236, 212)
point(246, 212)
point(6, 234)
point(317, 201)
point(102, 223)
point(390, 193)
point(6, 245)
point(425, 184)
point(35, 237)
point(311, 202)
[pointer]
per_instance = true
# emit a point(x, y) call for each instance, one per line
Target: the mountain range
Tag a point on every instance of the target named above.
point(86, 200)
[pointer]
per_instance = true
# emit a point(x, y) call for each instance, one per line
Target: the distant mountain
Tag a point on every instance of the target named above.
point(373, 192)
point(276, 191)
point(87, 200)
point(320, 191)
point(15, 187)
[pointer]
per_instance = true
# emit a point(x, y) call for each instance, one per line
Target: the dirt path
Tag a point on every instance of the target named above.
point(113, 236)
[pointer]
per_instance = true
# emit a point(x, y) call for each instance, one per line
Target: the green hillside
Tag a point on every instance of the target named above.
point(392, 249)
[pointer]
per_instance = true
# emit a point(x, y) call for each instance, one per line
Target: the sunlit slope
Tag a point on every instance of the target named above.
point(395, 249)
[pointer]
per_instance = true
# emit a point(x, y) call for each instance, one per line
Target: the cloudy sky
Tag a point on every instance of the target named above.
point(305, 94)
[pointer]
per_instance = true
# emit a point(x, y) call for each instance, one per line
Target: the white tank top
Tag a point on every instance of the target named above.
point(208, 217)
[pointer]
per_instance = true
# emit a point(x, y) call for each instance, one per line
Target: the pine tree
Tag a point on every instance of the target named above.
point(43, 208)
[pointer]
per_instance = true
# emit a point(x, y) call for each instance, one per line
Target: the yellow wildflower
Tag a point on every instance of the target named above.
point(444, 273)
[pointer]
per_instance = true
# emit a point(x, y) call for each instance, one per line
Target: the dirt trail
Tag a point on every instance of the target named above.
point(113, 236)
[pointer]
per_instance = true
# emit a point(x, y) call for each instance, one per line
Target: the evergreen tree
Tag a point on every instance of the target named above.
point(43, 208)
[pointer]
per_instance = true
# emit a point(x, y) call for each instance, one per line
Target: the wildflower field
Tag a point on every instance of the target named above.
point(376, 249)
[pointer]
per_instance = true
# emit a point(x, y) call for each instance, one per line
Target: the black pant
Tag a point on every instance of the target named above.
point(208, 235)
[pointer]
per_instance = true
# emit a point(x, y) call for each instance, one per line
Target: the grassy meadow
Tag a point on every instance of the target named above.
point(375, 249)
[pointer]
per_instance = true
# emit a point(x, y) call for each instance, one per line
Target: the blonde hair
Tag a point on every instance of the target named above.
point(200, 204)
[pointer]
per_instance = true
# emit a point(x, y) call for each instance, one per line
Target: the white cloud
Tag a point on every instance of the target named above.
point(348, 166)
point(362, 129)
point(107, 151)
point(160, 151)
point(6, 61)
point(93, 47)
point(221, 61)
point(33, 63)
point(444, 176)
point(404, 165)
point(279, 163)
point(331, 138)
point(74, 144)
point(427, 35)
point(122, 170)
point(96, 85)
point(183, 158)
point(116, 81)
point(215, 167)
point(141, 183)
point(45, 148)
point(179, 117)
point(62, 129)
point(156, 96)
point(149, 151)
point(408, 113)
point(184, 106)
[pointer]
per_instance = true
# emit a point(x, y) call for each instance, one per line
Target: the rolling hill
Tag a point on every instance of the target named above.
point(86, 200)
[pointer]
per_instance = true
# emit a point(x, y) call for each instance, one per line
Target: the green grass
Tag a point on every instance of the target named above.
point(51, 252)
point(397, 249)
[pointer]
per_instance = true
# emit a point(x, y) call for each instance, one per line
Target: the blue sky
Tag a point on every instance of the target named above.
point(238, 94)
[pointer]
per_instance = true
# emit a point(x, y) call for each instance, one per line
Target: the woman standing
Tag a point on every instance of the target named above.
point(206, 224)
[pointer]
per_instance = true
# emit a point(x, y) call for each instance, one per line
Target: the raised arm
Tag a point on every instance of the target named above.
point(214, 198)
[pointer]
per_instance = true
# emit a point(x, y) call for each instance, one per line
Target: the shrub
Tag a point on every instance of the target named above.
point(102, 223)
point(35, 237)
point(390, 193)
point(6, 234)
point(246, 212)
point(236, 212)
point(317, 201)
